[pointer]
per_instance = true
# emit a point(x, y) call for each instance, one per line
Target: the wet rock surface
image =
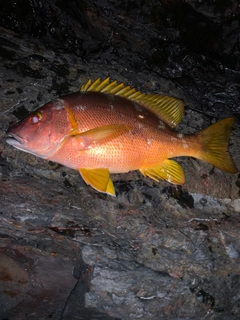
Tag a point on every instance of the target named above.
point(156, 251)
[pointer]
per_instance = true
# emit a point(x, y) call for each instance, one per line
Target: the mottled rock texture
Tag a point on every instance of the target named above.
point(156, 251)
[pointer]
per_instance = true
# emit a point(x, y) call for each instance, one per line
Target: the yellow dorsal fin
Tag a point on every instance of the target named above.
point(168, 109)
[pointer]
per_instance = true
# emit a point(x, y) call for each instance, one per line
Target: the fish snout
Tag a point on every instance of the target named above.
point(13, 139)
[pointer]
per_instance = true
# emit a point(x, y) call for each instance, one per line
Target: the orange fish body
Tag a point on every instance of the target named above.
point(145, 140)
point(108, 128)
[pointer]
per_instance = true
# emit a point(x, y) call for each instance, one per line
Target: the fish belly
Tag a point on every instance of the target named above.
point(128, 152)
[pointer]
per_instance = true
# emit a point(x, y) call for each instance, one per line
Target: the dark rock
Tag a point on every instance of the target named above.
point(156, 251)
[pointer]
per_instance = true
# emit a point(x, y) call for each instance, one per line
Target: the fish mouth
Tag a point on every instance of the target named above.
point(14, 140)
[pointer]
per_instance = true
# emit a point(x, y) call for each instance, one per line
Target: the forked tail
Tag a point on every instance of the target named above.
point(215, 140)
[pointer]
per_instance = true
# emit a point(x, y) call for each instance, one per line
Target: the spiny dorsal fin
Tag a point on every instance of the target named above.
point(168, 109)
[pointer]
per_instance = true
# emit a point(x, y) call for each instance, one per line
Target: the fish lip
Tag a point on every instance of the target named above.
point(14, 139)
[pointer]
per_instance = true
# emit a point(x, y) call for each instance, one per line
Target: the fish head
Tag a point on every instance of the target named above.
point(42, 132)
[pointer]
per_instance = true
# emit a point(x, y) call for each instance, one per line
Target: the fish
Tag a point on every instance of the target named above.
point(107, 127)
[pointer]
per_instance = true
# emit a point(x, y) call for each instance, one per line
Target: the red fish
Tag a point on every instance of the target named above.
point(109, 128)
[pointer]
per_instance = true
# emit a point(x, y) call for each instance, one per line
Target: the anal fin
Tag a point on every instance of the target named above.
point(168, 170)
point(99, 179)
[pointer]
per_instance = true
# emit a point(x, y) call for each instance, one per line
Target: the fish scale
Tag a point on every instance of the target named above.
point(118, 151)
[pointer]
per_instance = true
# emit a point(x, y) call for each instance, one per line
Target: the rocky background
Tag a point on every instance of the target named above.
point(156, 251)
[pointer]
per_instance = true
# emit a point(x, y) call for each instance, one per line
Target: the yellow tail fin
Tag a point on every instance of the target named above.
point(215, 141)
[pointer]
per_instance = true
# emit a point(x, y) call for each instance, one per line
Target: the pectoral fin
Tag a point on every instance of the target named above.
point(99, 179)
point(98, 136)
point(168, 170)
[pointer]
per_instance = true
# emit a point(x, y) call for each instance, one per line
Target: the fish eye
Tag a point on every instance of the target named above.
point(35, 117)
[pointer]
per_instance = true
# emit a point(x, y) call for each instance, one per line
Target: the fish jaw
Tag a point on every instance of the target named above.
point(19, 143)
point(15, 140)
